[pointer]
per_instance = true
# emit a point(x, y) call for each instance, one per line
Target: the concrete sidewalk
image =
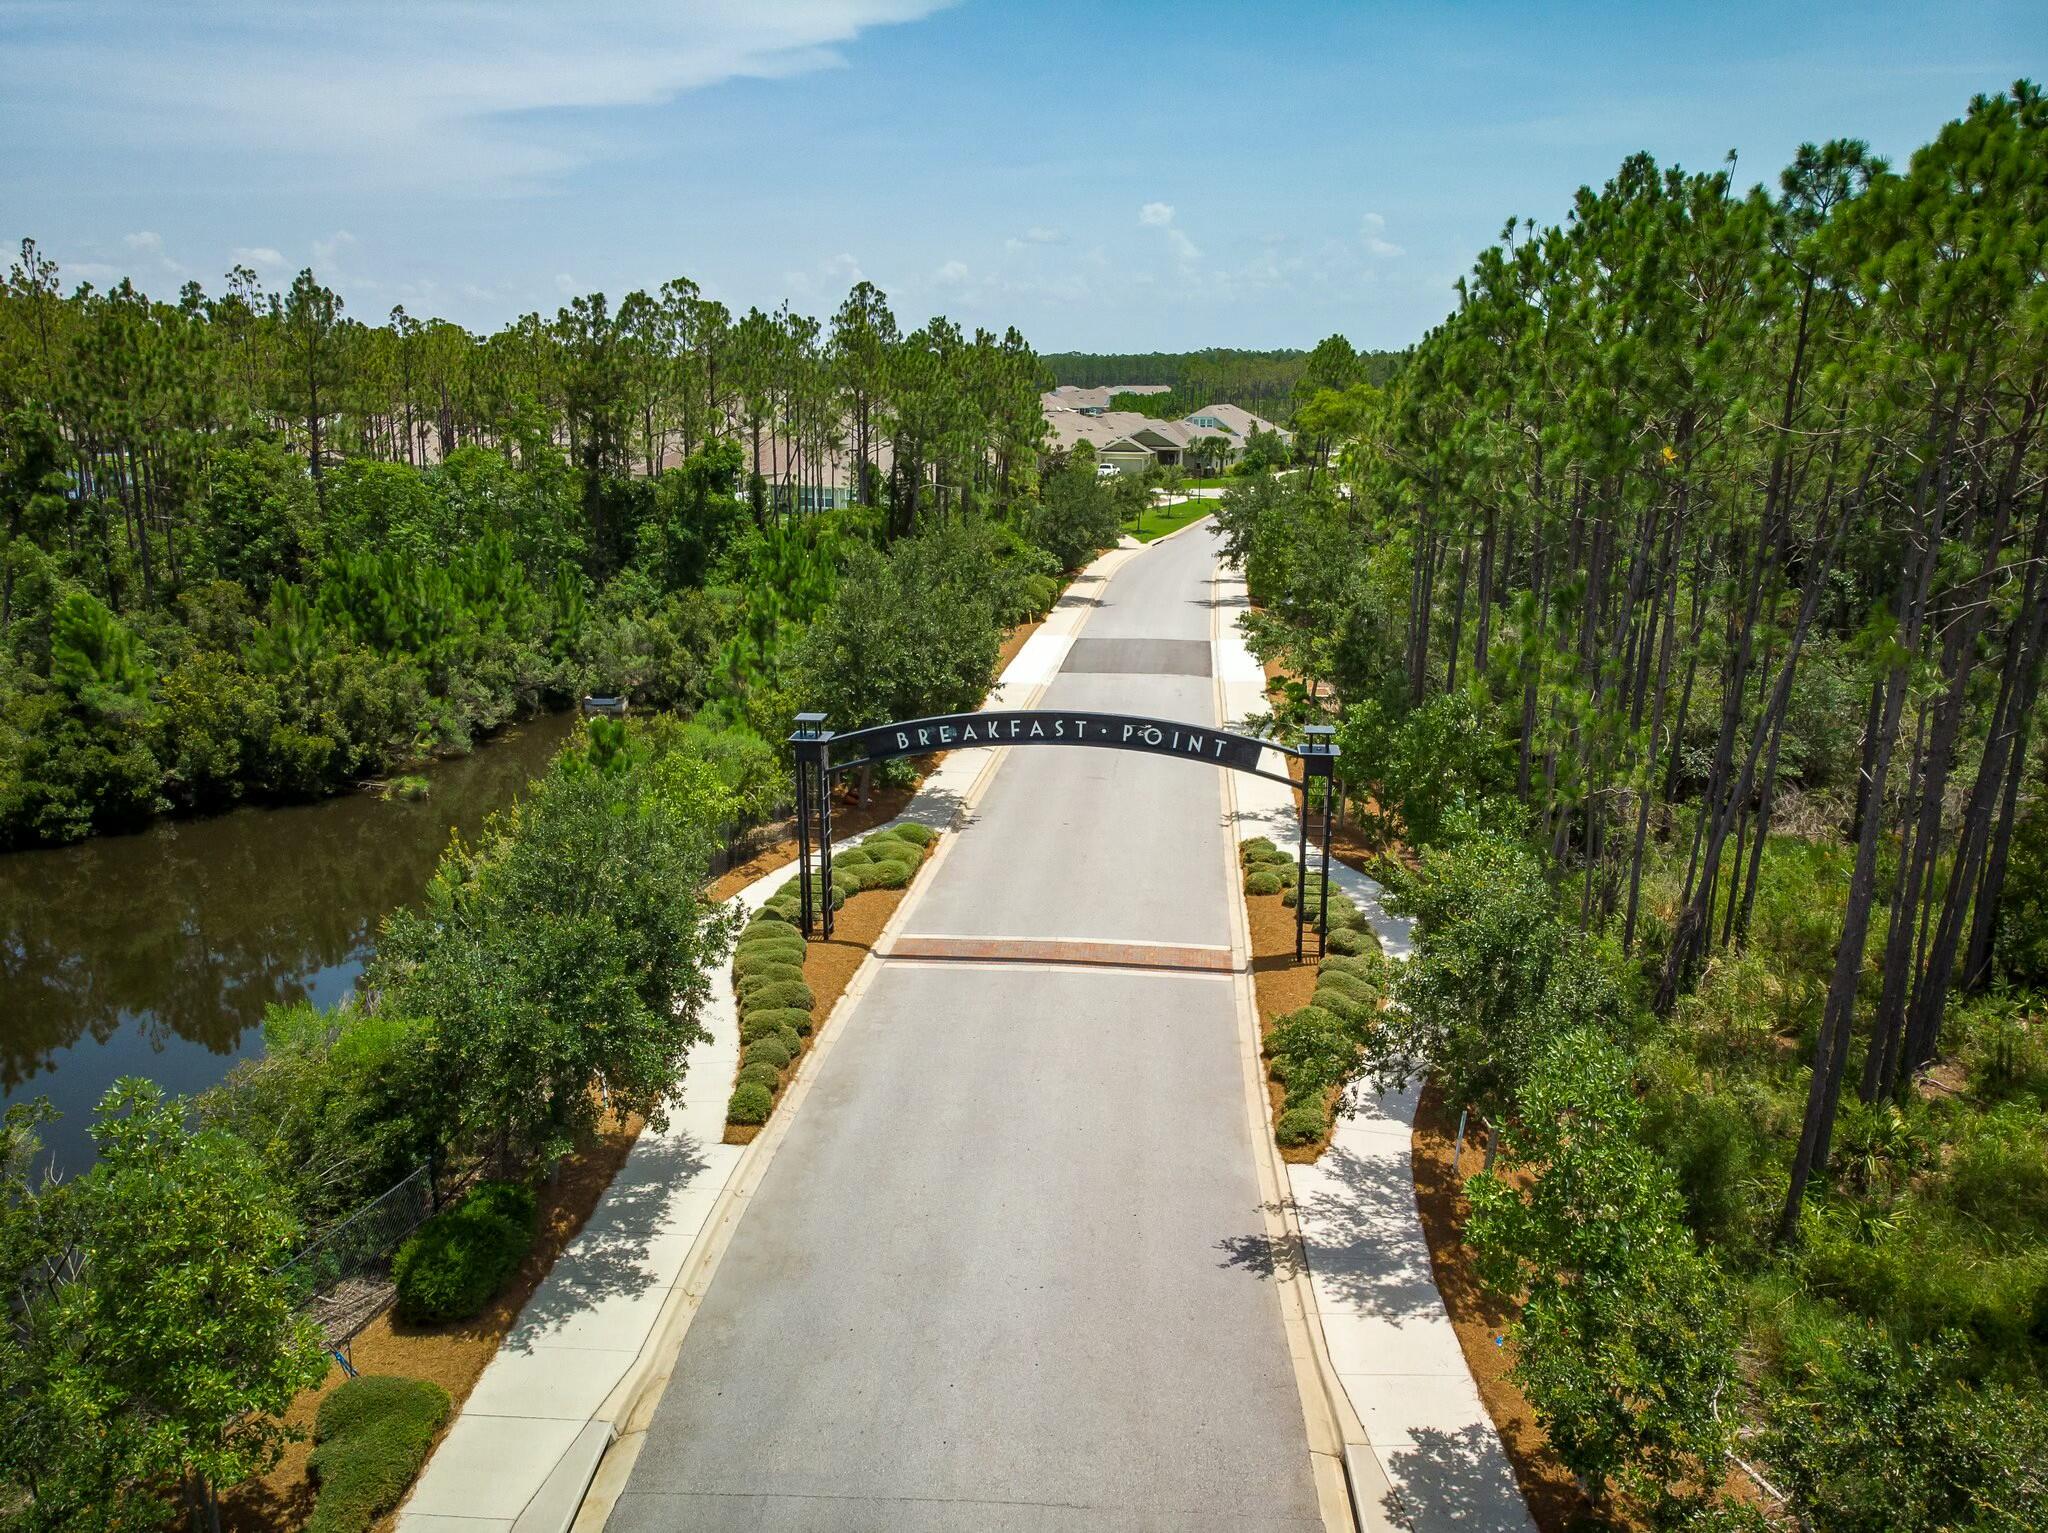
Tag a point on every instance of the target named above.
point(526, 1442)
point(1421, 1452)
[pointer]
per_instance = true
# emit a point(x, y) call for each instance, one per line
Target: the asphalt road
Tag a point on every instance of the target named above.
point(1006, 1271)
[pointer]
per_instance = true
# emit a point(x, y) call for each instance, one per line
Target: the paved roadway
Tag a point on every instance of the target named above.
point(1004, 1271)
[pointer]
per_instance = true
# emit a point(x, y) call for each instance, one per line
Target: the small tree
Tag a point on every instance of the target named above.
point(155, 1346)
point(559, 966)
point(1075, 515)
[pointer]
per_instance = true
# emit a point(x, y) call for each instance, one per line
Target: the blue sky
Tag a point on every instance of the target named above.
point(1104, 176)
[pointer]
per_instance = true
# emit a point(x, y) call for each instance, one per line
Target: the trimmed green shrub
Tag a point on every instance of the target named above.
point(770, 963)
point(455, 1263)
point(852, 856)
point(917, 835)
point(1255, 848)
point(780, 915)
point(1301, 1125)
point(791, 1041)
point(767, 1051)
point(751, 1103)
point(760, 1024)
point(1345, 941)
point(775, 1019)
point(886, 873)
point(762, 1074)
point(750, 985)
point(780, 994)
point(370, 1439)
point(1310, 1050)
point(1366, 965)
point(1339, 1003)
point(1350, 984)
point(770, 937)
point(1259, 881)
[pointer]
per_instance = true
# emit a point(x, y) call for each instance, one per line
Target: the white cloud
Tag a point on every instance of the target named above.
point(327, 252)
point(565, 284)
point(1373, 234)
point(148, 242)
point(453, 95)
point(261, 257)
point(952, 274)
point(1185, 250)
point(1038, 234)
point(1156, 215)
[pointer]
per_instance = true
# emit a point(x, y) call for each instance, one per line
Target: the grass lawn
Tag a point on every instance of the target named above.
point(1158, 521)
point(1218, 483)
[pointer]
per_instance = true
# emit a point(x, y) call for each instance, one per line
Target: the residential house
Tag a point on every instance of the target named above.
point(1129, 442)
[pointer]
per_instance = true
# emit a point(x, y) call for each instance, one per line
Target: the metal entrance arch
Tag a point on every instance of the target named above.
point(814, 748)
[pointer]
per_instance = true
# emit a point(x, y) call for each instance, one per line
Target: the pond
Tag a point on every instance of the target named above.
point(156, 954)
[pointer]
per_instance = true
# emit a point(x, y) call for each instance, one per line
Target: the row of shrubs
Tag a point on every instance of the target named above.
point(1268, 870)
point(1313, 1051)
point(775, 1004)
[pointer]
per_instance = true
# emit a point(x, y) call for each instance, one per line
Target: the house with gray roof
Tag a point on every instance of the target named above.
point(1130, 442)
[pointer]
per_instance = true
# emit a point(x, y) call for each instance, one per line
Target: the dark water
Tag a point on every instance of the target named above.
point(156, 954)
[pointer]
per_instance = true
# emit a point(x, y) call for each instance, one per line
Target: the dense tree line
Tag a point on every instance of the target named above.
point(254, 548)
point(554, 972)
point(1683, 600)
point(1268, 383)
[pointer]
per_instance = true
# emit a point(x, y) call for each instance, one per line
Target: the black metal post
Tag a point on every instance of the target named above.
point(1323, 924)
point(825, 839)
point(808, 748)
point(1318, 760)
point(1301, 864)
point(803, 837)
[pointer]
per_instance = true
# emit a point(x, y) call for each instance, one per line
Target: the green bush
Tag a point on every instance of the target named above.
point(751, 1103)
point(1348, 943)
point(455, 1263)
point(1341, 1004)
point(762, 1024)
point(1348, 983)
point(1260, 881)
point(767, 1051)
point(1259, 846)
point(791, 1040)
point(774, 1019)
point(781, 994)
point(767, 975)
point(887, 873)
point(781, 915)
point(764, 963)
point(1301, 1125)
point(370, 1439)
point(773, 936)
point(1310, 1050)
point(917, 835)
point(762, 1074)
